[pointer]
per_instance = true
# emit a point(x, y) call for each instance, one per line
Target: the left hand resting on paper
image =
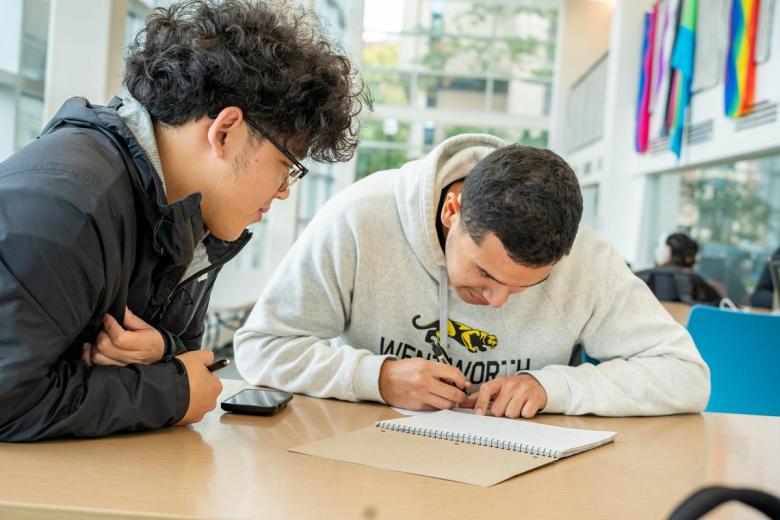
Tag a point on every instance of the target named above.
point(512, 396)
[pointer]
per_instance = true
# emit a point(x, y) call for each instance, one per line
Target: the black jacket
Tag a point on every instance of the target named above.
point(85, 231)
point(764, 291)
point(673, 284)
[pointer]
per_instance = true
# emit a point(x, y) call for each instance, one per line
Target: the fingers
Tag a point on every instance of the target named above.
point(502, 400)
point(524, 405)
point(112, 327)
point(485, 394)
point(531, 408)
point(447, 391)
point(469, 402)
point(514, 407)
point(133, 322)
point(437, 402)
point(106, 347)
point(102, 359)
point(450, 373)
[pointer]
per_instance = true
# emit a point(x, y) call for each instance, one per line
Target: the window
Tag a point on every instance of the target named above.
point(488, 63)
point(732, 210)
point(22, 84)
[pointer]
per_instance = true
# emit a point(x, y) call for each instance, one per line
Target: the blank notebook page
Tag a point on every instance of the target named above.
point(512, 434)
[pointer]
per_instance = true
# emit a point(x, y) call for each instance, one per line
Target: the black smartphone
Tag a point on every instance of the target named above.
point(255, 401)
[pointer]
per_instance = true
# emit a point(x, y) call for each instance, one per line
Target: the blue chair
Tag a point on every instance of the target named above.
point(742, 350)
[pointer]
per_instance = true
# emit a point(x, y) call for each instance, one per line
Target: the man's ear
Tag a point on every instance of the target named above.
point(450, 211)
point(223, 128)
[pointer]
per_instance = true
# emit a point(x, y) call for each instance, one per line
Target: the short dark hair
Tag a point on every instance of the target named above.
point(529, 198)
point(197, 57)
point(684, 249)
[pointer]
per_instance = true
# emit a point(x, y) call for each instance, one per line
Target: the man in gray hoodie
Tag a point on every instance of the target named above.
point(479, 245)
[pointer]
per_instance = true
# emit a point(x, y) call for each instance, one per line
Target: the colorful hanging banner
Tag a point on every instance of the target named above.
point(741, 61)
point(683, 59)
point(642, 140)
point(659, 119)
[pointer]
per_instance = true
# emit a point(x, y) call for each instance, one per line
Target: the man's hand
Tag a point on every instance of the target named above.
point(513, 396)
point(135, 342)
point(205, 387)
point(418, 384)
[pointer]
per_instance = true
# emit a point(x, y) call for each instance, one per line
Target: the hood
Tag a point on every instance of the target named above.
point(418, 191)
point(178, 227)
point(419, 186)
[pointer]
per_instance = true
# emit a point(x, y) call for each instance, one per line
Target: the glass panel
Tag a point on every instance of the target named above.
point(30, 120)
point(513, 21)
point(733, 211)
point(252, 257)
point(384, 130)
point(392, 16)
point(528, 136)
point(34, 39)
point(522, 57)
point(590, 205)
point(450, 131)
point(454, 54)
point(389, 88)
point(457, 17)
point(451, 92)
point(388, 51)
point(529, 98)
point(371, 160)
point(316, 189)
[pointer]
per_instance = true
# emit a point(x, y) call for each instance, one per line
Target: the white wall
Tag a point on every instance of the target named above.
point(85, 50)
point(583, 37)
point(624, 212)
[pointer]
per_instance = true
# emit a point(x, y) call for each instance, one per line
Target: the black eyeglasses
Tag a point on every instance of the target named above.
point(297, 170)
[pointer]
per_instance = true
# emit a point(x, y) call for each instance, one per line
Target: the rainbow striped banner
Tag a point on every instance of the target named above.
point(741, 63)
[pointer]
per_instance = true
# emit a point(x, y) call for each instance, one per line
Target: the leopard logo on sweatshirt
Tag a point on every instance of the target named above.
point(473, 339)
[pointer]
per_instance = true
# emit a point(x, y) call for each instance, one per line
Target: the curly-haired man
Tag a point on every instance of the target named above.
point(116, 221)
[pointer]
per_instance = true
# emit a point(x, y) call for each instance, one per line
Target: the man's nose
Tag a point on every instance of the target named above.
point(497, 296)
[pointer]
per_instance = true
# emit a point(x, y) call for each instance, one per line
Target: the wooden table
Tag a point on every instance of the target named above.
point(233, 466)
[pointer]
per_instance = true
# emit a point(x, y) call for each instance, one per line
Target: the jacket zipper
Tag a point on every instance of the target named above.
point(164, 308)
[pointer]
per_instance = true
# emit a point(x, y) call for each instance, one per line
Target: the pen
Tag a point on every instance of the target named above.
point(439, 353)
point(216, 365)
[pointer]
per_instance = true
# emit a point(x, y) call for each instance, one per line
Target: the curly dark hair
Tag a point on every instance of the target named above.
point(197, 57)
point(529, 197)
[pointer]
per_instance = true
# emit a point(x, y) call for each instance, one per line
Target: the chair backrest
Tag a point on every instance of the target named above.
point(742, 350)
point(672, 284)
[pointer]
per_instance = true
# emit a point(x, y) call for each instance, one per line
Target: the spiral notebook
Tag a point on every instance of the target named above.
point(473, 449)
point(496, 432)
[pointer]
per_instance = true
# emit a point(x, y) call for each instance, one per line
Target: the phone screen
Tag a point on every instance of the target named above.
point(261, 398)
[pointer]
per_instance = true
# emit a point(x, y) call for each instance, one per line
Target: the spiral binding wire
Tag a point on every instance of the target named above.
point(470, 438)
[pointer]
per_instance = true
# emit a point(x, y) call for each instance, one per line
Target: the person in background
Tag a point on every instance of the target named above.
point(116, 221)
point(674, 279)
point(764, 291)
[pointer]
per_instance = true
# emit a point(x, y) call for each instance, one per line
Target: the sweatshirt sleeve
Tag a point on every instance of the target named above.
point(649, 364)
point(289, 340)
point(51, 279)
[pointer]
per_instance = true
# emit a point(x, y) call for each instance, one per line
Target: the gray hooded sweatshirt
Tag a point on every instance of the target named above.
point(363, 281)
